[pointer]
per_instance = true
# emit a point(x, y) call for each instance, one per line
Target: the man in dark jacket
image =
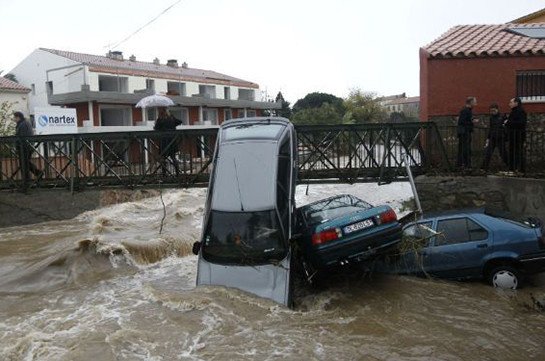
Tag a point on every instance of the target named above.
point(168, 145)
point(464, 130)
point(23, 128)
point(516, 134)
point(496, 137)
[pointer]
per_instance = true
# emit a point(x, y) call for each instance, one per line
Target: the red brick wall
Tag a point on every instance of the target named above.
point(445, 83)
point(82, 112)
point(193, 115)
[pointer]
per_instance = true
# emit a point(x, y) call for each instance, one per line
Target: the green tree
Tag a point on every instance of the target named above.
point(325, 114)
point(316, 100)
point(7, 126)
point(363, 107)
point(285, 111)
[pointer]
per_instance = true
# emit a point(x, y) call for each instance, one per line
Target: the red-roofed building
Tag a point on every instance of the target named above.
point(14, 94)
point(491, 62)
point(105, 89)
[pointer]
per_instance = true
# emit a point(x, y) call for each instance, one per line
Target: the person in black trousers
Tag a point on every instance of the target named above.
point(23, 128)
point(168, 145)
point(464, 130)
point(496, 137)
point(516, 135)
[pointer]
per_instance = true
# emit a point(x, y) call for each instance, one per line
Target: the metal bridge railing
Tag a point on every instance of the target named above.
point(336, 153)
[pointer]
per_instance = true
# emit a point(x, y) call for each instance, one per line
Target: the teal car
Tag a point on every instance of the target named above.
point(342, 230)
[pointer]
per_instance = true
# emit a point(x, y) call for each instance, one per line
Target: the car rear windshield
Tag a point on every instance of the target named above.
point(332, 208)
point(253, 131)
point(243, 238)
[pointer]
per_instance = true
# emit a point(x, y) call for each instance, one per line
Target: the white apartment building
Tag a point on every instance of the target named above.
point(105, 89)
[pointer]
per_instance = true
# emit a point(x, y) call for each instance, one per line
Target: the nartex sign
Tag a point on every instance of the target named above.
point(55, 120)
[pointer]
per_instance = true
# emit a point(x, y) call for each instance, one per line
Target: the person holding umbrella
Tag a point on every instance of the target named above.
point(168, 146)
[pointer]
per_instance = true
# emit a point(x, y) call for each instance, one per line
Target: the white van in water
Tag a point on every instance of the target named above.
point(250, 207)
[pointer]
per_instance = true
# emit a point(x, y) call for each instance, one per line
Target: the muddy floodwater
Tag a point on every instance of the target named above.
point(107, 286)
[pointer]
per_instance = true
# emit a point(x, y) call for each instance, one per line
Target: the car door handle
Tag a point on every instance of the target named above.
point(482, 245)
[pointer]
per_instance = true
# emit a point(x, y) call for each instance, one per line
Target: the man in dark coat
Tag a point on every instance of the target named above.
point(464, 130)
point(516, 134)
point(496, 137)
point(168, 146)
point(23, 128)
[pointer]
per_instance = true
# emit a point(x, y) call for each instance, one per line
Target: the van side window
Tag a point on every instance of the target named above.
point(283, 181)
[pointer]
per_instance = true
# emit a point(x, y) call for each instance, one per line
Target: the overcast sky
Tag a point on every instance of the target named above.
point(296, 46)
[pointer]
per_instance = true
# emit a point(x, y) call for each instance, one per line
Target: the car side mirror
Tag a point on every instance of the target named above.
point(196, 248)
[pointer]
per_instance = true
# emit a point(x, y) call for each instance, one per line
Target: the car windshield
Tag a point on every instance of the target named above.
point(332, 208)
point(243, 238)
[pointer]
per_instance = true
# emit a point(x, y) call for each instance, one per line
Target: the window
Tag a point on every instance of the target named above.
point(227, 114)
point(283, 182)
point(115, 116)
point(535, 32)
point(33, 87)
point(176, 88)
point(180, 113)
point(253, 131)
point(531, 85)
point(113, 83)
point(210, 115)
point(150, 84)
point(226, 92)
point(246, 238)
point(246, 94)
point(49, 87)
point(251, 113)
point(420, 232)
point(459, 230)
point(151, 113)
point(207, 91)
point(240, 113)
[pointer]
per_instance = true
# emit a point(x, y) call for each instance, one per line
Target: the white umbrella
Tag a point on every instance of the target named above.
point(155, 100)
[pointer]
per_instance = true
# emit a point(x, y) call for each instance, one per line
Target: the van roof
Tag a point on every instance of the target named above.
point(245, 177)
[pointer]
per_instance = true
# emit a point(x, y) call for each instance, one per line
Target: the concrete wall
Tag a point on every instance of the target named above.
point(32, 70)
point(520, 196)
point(18, 101)
point(18, 209)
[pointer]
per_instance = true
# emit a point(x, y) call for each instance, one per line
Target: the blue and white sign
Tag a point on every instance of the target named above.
point(56, 120)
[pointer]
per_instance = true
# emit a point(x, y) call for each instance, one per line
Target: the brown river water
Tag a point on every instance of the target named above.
point(107, 286)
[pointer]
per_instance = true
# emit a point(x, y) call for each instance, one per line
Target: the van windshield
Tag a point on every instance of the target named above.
point(243, 238)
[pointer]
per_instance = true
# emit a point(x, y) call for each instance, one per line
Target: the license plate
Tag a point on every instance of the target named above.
point(357, 226)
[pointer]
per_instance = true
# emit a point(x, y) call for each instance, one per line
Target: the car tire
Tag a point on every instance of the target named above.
point(506, 277)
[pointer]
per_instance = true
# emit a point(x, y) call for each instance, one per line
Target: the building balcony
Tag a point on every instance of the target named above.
point(112, 97)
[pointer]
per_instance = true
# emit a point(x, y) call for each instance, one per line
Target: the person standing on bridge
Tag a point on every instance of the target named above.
point(496, 137)
point(516, 134)
point(168, 146)
point(464, 130)
point(23, 128)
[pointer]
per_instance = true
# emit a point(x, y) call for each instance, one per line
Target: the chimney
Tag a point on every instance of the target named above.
point(156, 61)
point(173, 63)
point(132, 58)
point(184, 65)
point(116, 55)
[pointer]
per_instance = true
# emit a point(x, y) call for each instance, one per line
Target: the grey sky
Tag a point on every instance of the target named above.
point(296, 46)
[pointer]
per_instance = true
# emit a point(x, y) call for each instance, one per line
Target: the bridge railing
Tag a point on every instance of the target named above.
point(533, 149)
point(345, 153)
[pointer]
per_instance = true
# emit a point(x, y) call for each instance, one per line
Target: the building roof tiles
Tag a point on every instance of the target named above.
point(8, 85)
point(100, 63)
point(485, 41)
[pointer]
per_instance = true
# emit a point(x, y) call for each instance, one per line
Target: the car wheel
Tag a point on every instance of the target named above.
point(505, 277)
